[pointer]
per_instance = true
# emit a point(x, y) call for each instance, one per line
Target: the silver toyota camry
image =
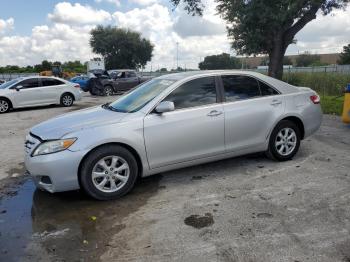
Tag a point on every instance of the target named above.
point(170, 122)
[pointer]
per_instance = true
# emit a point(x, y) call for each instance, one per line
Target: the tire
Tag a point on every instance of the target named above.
point(108, 182)
point(5, 105)
point(284, 141)
point(108, 90)
point(67, 100)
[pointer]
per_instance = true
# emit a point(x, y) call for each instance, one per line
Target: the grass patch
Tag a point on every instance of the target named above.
point(332, 104)
point(325, 84)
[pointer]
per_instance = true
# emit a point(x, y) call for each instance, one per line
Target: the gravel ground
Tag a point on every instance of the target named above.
point(241, 209)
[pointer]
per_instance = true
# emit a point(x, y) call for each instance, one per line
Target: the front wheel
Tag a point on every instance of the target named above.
point(4, 106)
point(284, 141)
point(108, 172)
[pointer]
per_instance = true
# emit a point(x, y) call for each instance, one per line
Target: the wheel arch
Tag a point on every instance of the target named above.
point(299, 123)
point(69, 93)
point(128, 147)
point(7, 99)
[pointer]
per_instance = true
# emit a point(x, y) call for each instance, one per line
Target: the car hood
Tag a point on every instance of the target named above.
point(60, 126)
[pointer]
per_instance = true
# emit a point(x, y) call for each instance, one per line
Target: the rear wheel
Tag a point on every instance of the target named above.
point(5, 105)
point(108, 172)
point(67, 100)
point(284, 141)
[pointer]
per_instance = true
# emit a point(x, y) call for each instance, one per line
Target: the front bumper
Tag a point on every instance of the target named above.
point(55, 172)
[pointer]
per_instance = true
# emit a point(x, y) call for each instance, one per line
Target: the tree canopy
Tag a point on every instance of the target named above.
point(121, 48)
point(222, 61)
point(265, 26)
point(45, 65)
point(345, 56)
point(307, 59)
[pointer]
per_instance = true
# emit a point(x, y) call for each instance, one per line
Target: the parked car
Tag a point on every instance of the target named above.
point(2, 81)
point(170, 122)
point(81, 80)
point(123, 80)
point(37, 91)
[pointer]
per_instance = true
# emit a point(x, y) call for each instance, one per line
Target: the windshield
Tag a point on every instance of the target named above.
point(9, 84)
point(140, 96)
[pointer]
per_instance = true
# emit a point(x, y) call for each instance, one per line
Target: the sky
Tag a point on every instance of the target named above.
point(34, 30)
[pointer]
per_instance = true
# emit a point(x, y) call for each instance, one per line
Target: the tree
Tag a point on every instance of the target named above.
point(46, 65)
point(121, 48)
point(307, 59)
point(345, 56)
point(265, 26)
point(287, 61)
point(223, 61)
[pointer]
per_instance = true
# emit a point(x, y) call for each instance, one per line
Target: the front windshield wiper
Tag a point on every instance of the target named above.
point(111, 108)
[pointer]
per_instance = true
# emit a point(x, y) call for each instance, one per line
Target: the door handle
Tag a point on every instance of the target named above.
point(214, 113)
point(276, 102)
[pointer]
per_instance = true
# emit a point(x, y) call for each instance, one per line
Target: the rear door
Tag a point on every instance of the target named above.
point(194, 130)
point(251, 108)
point(132, 79)
point(51, 90)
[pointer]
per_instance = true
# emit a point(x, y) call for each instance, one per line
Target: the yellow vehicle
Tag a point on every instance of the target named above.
point(346, 109)
point(57, 72)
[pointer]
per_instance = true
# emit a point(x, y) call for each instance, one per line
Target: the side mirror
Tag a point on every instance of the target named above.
point(18, 88)
point(165, 106)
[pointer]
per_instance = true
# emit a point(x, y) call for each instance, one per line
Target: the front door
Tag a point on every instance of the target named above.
point(28, 93)
point(194, 130)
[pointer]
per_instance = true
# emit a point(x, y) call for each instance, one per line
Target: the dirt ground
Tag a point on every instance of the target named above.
point(241, 209)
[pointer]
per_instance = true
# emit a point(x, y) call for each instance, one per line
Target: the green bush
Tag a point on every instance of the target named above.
point(332, 105)
point(326, 84)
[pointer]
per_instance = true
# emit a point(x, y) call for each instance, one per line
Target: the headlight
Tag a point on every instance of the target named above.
point(53, 146)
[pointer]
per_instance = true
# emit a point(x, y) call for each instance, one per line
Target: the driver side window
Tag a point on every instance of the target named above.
point(197, 92)
point(29, 83)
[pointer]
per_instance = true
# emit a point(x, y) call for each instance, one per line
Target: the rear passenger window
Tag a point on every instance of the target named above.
point(267, 90)
point(197, 92)
point(240, 87)
point(51, 82)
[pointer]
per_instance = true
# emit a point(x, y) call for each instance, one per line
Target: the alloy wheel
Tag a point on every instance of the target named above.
point(108, 91)
point(110, 174)
point(67, 100)
point(4, 106)
point(286, 141)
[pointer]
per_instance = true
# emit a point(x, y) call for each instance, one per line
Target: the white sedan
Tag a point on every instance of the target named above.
point(37, 91)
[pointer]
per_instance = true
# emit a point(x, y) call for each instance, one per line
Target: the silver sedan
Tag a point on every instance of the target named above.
point(170, 122)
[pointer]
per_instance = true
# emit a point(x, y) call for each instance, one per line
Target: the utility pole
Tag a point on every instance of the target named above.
point(177, 56)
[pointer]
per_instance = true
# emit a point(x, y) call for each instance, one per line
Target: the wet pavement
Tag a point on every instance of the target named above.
point(242, 209)
point(37, 225)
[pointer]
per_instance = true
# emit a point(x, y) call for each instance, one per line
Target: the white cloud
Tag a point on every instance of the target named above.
point(144, 2)
point(67, 36)
point(115, 2)
point(326, 34)
point(59, 42)
point(6, 25)
point(67, 13)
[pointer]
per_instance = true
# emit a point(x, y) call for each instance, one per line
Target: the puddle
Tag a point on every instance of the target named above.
point(264, 215)
point(65, 225)
point(197, 221)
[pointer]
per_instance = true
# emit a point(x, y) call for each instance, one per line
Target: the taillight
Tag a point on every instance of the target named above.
point(315, 99)
point(77, 86)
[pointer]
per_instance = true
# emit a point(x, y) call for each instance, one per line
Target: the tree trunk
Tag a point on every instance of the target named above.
point(276, 57)
point(276, 62)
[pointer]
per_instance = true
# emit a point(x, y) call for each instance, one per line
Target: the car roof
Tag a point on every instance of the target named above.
point(280, 85)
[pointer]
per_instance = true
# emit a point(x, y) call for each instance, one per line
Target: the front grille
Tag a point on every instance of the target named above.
point(30, 144)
